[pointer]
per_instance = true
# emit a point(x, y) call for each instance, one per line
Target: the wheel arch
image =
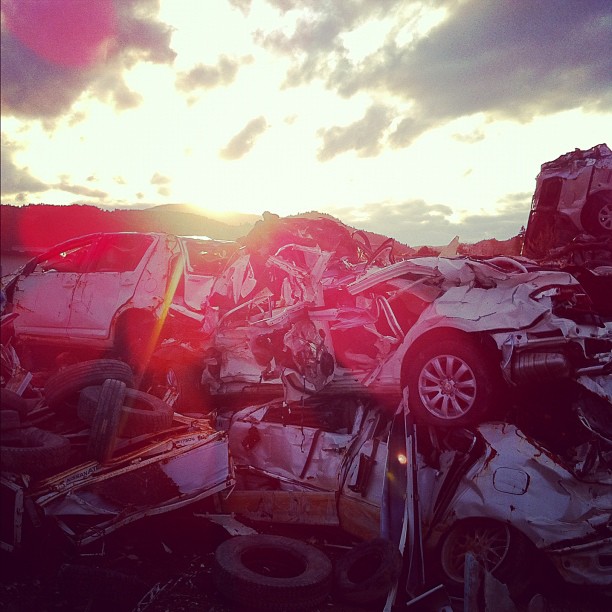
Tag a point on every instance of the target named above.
point(131, 316)
point(444, 333)
point(593, 202)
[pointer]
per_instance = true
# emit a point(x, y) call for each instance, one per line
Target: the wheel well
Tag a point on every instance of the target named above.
point(131, 318)
point(594, 200)
point(445, 333)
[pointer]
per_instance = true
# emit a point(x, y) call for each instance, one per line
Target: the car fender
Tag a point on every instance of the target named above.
point(519, 482)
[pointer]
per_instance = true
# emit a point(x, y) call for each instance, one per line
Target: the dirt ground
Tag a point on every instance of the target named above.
point(160, 564)
point(164, 564)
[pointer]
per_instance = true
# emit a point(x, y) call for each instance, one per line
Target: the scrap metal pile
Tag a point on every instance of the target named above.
point(452, 405)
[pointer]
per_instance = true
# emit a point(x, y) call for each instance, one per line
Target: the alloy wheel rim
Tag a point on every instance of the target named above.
point(488, 544)
point(447, 387)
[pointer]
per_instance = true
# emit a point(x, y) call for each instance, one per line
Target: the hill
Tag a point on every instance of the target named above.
point(35, 227)
point(39, 226)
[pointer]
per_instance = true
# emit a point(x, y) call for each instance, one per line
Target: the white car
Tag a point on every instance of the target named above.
point(111, 291)
point(457, 332)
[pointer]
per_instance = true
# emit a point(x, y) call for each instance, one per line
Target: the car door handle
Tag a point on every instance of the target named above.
point(69, 283)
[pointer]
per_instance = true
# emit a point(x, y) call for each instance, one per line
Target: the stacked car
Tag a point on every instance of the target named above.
point(455, 405)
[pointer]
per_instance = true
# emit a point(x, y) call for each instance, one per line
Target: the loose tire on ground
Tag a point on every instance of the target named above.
point(64, 386)
point(107, 420)
point(141, 413)
point(367, 572)
point(265, 572)
point(35, 451)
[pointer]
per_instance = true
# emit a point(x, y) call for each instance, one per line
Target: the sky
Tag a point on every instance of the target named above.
point(419, 120)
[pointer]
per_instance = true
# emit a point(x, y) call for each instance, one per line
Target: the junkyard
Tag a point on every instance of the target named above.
point(305, 419)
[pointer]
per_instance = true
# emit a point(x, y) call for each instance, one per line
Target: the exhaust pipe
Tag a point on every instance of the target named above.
point(535, 367)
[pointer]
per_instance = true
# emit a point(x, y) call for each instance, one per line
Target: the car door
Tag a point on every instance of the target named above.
point(110, 280)
point(44, 292)
point(204, 260)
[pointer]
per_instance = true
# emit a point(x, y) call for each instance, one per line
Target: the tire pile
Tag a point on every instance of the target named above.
point(97, 397)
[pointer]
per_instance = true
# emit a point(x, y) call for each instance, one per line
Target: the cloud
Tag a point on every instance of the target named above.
point(43, 80)
point(160, 179)
point(417, 223)
point(18, 184)
point(244, 141)
point(507, 60)
point(364, 136)
point(243, 5)
point(470, 137)
point(208, 77)
point(79, 190)
point(163, 182)
point(15, 181)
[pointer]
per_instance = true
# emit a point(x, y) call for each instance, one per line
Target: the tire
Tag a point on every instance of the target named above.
point(107, 420)
point(499, 548)
point(598, 214)
point(61, 390)
point(451, 382)
point(265, 572)
point(35, 452)
point(367, 572)
point(9, 400)
point(141, 412)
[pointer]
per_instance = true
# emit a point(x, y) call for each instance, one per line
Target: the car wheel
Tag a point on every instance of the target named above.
point(35, 451)
point(141, 412)
point(367, 572)
point(598, 214)
point(266, 572)
point(451, 382)
point(107, 420)
point(62, 389)
point(498, 548)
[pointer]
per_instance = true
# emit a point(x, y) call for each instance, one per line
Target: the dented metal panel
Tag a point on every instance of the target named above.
point(90, 500)
point(517, 481)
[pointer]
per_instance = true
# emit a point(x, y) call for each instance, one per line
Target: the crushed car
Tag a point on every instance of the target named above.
point(572, 200)
point(94, 454)
point(301, 306)
point(458, 332)
point(512, 497)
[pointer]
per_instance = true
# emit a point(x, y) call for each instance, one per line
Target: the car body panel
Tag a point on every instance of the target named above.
point(63, 301)
point(561, 503)
point(156, 474)
point(565, 187)
point(518, 482)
